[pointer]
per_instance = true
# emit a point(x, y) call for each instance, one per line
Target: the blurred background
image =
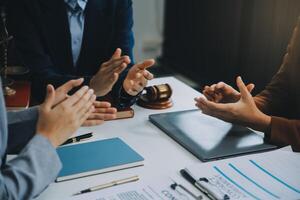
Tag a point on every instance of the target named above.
point(206, 41)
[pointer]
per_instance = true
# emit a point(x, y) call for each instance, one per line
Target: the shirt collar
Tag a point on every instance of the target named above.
point(73, 3)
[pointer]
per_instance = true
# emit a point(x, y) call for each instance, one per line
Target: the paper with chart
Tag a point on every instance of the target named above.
point(271, 175)
point(158, 189)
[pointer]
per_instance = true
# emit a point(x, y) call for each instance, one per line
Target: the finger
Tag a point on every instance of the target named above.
point(98, 116)
point(212, 88)
point(76, 96)
point(50, 98)
point(70, 85)
point(86, 107)
point(121, 68)
point(105, 110)
point(117, 53)
point(250, 87)
point(220, 87)
point(108, 64)
point(115, 78)
point(89, 122)
point(85, 100)
point(86, 115)
point(115, 64)
point(242, 87)
point(148, 75)
point(144, 65)
point(212, 106)
point(211, 92)
point(102, 104)
point(208, 95)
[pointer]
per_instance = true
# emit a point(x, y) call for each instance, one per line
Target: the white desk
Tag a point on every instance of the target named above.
point(162, 154)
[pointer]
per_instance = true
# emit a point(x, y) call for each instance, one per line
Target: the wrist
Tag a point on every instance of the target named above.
point(47, 135)
point(262, 122)
point(127, 91)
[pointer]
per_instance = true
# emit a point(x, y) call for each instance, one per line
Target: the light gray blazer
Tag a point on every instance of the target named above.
point(37, 163)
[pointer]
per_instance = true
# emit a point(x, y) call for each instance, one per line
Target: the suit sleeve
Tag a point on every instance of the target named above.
point(21, 128)
point(124, 39)
point(31, 171)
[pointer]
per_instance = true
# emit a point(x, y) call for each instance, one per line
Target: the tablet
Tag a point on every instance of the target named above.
point(209, 138)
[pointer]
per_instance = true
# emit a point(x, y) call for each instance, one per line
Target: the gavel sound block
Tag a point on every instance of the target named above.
point(156, 97)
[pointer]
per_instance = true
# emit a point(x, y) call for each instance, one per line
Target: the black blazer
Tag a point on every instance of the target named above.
point(43, 39)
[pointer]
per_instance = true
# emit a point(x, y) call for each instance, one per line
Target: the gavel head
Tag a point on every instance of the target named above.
point(158, 93)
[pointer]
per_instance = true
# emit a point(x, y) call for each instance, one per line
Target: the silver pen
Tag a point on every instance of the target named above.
point(110, 184)
point(211, 190)
point(175, 187)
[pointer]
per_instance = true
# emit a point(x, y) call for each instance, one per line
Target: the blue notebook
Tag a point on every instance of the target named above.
point(96, 157)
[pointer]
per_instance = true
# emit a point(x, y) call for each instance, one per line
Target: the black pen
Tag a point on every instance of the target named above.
point(78, 138)
point(204, 186)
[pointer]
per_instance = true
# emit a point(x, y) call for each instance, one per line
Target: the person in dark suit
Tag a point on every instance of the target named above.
point(60, 40)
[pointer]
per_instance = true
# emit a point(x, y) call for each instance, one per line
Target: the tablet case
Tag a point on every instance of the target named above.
point(209, 138)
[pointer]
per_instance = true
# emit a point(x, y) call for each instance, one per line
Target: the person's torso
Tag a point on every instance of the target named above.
point(51, 20)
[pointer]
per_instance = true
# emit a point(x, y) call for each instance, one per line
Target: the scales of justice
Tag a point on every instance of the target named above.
point(5, 70)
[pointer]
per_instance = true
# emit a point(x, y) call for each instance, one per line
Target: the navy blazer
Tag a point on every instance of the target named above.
point(42, 36)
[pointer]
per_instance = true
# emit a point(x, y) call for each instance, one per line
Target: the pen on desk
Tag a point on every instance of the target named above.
point(175, 186)
point(78, 138)
point(110, 184)
point(205, 186)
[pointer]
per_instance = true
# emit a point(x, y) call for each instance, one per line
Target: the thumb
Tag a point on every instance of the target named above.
point(243, 89)
point(117, 53)
point(250, 87)
point(50, 98)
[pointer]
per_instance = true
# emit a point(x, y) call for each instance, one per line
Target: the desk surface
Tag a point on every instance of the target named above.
point(163, 156)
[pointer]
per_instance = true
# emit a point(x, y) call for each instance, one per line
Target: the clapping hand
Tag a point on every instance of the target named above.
point(59, 120)
point(108, 73)
point(102, 112)
point(138, 77)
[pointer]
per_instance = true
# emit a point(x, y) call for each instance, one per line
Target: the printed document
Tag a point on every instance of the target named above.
point(271, 175)
point(157, 190)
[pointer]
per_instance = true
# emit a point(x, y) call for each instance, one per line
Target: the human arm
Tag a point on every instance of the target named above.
point(21, 128)
point(38, 164)
point(27, 175)
point(123, 40)
point(278, 130)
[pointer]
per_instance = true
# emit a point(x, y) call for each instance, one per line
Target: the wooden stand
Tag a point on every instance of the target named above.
point(157, 97)
point(20, 100)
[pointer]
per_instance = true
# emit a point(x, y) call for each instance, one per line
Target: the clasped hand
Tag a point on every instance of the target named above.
point(223, 102)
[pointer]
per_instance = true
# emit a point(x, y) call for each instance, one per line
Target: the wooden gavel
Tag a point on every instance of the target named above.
point(156, 97)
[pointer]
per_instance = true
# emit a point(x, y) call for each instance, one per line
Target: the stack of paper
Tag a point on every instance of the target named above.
point(271, 175)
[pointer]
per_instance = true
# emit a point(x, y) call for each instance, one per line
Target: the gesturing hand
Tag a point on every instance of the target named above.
point(108, 73)
point(243, 112)
point(223, 93)
point(61, 93)
point(137, 77)
point(103, 111)
point(58, 123)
